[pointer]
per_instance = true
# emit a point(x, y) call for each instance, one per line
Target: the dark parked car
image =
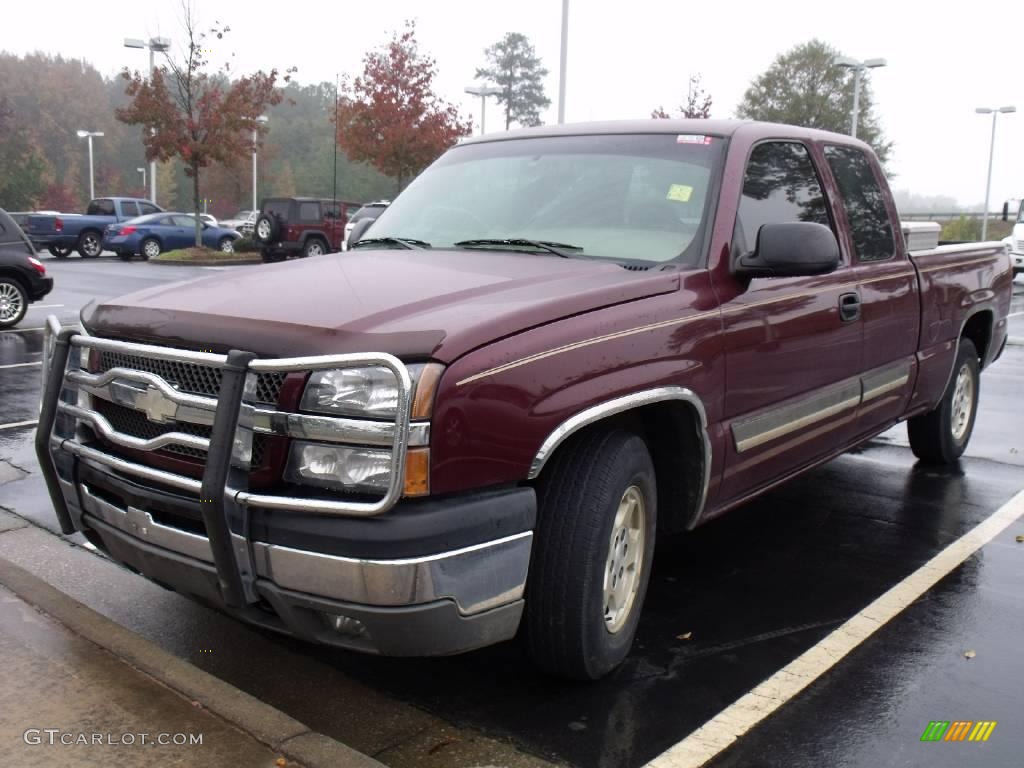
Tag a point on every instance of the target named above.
point(369, 211)
point(22, 276)
point(303, 226)
point(149, 236)
point(62, 233)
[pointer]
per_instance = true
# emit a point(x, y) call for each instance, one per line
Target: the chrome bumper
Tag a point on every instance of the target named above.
point(477, 578)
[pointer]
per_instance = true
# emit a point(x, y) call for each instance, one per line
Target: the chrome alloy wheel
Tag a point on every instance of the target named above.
point(625, 559)
point(91, 245)
point(11, 302)
point(315, 249)
point(963, 403)
point(227, 246)
point(151, 249)
point(263, 230)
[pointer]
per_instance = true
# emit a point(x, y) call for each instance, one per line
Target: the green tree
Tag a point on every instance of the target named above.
point(698, 103)
point(804, 87)
point(22, 167)
point(513, 65)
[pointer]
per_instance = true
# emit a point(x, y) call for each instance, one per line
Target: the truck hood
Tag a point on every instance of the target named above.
point(416, 304)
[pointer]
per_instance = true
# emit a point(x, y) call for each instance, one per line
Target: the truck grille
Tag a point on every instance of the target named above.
point(131, 422)
point(1018, 246)
point(193, 378)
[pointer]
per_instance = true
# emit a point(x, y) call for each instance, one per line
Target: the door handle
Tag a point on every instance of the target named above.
point(849, 307)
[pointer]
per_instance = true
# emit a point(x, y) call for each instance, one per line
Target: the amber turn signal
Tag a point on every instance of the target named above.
point(426, 388)
point(417, 472)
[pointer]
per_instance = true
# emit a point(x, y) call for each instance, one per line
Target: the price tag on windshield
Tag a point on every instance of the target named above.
point(691, 138)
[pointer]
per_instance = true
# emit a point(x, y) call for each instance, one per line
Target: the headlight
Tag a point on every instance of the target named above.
point(369, 392)
point(339, 467)
point(352, 392)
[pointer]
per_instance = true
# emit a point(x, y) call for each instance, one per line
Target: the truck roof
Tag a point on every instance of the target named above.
point(724, 128)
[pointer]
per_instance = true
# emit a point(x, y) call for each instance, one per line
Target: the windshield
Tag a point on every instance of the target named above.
point(632, 197)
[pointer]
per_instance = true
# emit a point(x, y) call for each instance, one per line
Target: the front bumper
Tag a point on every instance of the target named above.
point(418, 577)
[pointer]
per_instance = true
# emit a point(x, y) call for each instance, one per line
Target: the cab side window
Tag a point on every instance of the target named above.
point(780, 186)
point(863, 202)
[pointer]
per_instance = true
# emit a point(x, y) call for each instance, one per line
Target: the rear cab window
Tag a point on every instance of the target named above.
point(780, 186)
point(147, 208)
point(101, 207)
point(864, 203)
point(129, 209)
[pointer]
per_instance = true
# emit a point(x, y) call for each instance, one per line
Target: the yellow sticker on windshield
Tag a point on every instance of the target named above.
point(679, 192)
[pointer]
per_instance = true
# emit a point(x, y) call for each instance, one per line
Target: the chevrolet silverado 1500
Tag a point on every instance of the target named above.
point(556, 345)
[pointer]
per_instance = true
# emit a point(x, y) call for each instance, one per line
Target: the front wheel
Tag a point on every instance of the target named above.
point(314, 247)
point(592, 555)
point(13, 302)
point(941, 435)
point(226, 245)
point(151, 249)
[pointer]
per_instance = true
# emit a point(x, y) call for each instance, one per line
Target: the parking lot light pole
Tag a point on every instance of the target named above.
point(92, 180)
point(142, 170)
point(994, 111)
point(563, 60)
point(858, 67)
point(154, 44)
point(261, 119)
point(483, 92)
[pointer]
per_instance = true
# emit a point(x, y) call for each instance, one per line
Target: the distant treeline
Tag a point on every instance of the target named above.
point(45, 99)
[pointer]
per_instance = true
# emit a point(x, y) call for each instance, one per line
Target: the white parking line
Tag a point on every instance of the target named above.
point(22, 330)
point(721, 731)
point(1015, 314)
point(44, 306)
point(20, 365)
point(16, 424)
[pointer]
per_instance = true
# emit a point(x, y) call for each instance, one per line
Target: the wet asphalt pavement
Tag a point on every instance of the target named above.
point(729, 604)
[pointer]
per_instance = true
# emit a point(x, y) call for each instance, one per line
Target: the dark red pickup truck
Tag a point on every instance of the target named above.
point(555, 345)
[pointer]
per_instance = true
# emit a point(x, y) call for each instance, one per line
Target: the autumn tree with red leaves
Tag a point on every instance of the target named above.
point(202, 118)
point(390, 116)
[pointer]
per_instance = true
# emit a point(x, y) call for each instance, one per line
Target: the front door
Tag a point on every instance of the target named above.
point(793, 353)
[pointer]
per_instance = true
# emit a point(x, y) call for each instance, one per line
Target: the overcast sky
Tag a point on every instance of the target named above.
point(625, 58)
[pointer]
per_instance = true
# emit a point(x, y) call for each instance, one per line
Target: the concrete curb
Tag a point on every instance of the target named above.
point(208, 262)
point(265, 723)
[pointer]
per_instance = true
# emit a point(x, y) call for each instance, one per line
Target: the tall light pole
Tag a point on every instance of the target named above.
point(858, 67)
point(483, 92)
point(92, 179)
point(562, 61)
point(994, 111)
point(255, 135)
point(142, 170)
point(154, 44)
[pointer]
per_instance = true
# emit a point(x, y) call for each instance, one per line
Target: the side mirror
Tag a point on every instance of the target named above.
point(358, 230)
point(792, 249)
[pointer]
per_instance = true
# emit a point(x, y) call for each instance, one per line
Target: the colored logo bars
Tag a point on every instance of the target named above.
point(958, 730)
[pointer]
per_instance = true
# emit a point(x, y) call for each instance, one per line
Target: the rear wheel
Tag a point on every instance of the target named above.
point(592, 555)
point(13, 302)
point(150, 248)
point(59, 251)
point(226, 245)
point(941, 435)
point(90, 246)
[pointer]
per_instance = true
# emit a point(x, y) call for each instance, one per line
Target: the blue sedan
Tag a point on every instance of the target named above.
point(155, 233)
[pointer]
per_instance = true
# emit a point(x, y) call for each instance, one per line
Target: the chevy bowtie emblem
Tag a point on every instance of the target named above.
point(157, 407)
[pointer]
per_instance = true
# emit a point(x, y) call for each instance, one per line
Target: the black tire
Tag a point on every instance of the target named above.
point(566, 628)
point(90, 244)
point(226, 244)
point(13, 302)
point(941, 435)
point(59, 251)
point(150, 248)
point(314, 246)
point(267, 228)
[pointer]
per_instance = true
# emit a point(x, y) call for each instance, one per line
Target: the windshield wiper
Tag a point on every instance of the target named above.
point(559, 249)
point(405, 242)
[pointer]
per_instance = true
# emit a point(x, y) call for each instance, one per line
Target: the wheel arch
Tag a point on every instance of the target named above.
point(978, 327)
point(673, 422)
point(11, 273)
